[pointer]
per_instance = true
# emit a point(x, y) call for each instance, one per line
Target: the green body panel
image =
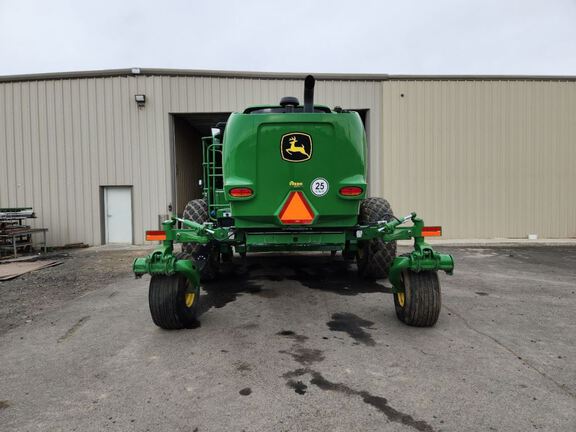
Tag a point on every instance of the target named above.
point(252, 158)
point(294, 241)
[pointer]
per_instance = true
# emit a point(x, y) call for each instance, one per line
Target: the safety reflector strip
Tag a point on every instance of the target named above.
point(296, 210)
point(155, 235)
point(431, 231)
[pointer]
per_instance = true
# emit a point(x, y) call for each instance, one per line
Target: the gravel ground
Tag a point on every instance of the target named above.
point(294, 343)
point(82, 270)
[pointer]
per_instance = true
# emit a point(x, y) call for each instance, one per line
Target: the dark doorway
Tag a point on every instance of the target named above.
point(363, 113)
point(365, 117)
point(188, 130)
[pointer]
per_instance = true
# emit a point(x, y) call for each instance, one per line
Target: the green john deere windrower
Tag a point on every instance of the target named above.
point(289, 177)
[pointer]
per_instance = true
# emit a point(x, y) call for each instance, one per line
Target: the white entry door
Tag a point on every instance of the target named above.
point(118, 214)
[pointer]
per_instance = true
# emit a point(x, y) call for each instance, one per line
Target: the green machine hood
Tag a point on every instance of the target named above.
point(320, 155)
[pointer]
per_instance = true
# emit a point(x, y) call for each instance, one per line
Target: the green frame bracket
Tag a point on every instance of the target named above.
point(422, 258)
point(163, 262)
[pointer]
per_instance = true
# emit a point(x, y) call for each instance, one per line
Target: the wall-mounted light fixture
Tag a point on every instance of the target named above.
point(140, 100)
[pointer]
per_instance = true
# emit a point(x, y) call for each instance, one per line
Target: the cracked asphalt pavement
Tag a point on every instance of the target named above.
point(299, 343)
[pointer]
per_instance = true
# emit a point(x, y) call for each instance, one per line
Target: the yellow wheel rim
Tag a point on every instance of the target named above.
point(189, 299)
point(401, 298)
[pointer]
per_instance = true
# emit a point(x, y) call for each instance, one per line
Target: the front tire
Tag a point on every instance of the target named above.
point(374, 257)
point(420, 303)
point(173, 302)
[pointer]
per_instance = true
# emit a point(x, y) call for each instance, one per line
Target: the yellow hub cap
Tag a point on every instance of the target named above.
point(189, 299)
point(401, 298)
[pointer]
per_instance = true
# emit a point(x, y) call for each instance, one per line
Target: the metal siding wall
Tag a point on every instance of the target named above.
point(485, 159)
point(60, 140)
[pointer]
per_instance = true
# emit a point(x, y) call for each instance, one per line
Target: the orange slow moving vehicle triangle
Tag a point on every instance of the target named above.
point(296, 210)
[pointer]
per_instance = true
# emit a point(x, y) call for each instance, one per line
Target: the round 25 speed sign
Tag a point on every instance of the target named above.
point(319, 186)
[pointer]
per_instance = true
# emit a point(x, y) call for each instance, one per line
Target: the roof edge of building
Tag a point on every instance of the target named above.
point(275, 75)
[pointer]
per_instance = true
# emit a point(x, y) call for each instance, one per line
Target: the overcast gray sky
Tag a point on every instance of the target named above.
point(399, 37)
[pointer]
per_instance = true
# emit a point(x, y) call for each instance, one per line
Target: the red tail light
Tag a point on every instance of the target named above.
point(431, 231)
point(351, 191)
point(155, 235)
point(241, 192)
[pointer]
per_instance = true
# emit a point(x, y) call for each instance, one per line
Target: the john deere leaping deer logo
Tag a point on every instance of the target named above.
point(296, 147)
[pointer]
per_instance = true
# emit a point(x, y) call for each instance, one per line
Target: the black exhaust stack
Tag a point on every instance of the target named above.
point(309, 94)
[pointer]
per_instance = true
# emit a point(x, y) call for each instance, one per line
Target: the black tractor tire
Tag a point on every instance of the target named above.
point(374, 257)
point(206, 257)
point(173, 302)
point(420, 303)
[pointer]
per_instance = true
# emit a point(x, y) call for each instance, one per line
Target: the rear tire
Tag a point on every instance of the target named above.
point(206, 257)
point(420, 303)
point(173, 302)
point(374, 257)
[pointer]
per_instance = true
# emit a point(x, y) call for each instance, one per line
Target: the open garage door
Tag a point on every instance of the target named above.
point(188, 130)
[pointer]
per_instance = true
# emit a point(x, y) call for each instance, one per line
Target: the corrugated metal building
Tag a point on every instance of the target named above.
point(485, 157)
